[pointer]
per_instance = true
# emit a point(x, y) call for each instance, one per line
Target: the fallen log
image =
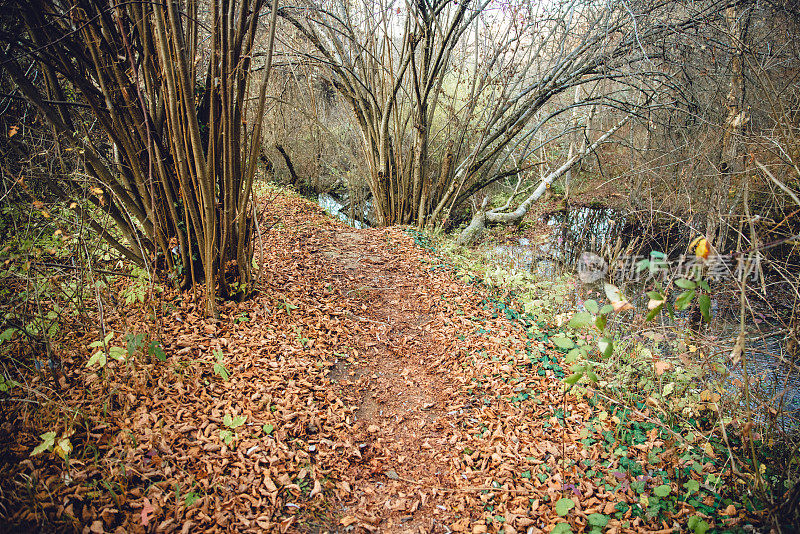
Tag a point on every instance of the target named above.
point(498, 215)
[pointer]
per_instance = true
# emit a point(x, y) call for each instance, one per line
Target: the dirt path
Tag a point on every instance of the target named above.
point(402, 427)
point(431, 358)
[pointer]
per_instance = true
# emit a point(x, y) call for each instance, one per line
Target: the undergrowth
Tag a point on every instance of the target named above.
point(730, 460)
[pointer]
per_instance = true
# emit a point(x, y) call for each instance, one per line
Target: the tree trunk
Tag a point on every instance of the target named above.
point(731, 163)
point(294, 178)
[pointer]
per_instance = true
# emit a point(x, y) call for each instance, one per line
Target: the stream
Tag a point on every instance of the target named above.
point(334, 207)
point(775, 380)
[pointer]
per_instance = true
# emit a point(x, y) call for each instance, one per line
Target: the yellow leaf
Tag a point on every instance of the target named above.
point(64, 448)
point(692, 348)
point(709, 450)
point(13, 131)
point(701, 247)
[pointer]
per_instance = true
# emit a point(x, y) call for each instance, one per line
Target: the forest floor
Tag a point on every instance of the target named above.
point(369, 387)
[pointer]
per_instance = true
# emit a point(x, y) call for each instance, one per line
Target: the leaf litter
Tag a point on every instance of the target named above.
point(367, 388)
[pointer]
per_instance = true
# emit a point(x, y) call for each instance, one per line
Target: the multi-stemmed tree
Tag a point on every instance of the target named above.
point(450, 96)
point(163, 102)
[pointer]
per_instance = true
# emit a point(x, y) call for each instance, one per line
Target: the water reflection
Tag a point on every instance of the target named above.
point(335, 208)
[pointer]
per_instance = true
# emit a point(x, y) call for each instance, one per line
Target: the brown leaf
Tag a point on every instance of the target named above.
point(147, 509)
point(348, 520)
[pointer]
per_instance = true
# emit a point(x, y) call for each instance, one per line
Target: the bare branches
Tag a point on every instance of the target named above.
point(181, 176)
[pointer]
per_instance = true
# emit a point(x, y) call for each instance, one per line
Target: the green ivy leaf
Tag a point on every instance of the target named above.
point(238, 421)
point(662, 490)
point(581, 319)
point(591, 306)
point(683, 283)
point(268, 428)
point(220, 371)
point(118, 353)
point(563, 506)
point(692, 486)
point(561, 528)
point(98, 357)
point(574, 355)
point(652, 313)
point(226, 436)
point(705, 306)
point(7, 334)
point(601, 321)
point(683, 300)
point(573, 378)
point(598, 520)
point(606, 346)
point(698, 525)
point(563, 343)
point(158, 351)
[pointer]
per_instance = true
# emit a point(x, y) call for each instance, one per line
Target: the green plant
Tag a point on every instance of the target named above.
point(563, 506)
point(597, 522)
point(6, 384)
point(156, 350)
point(698, 524)
point(62, 447)
point(219, 366)
point(137, 290)
point(228, 435)
point(304, 341)
point(104, 351)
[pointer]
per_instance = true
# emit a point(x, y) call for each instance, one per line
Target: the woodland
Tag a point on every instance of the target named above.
point(481, 266)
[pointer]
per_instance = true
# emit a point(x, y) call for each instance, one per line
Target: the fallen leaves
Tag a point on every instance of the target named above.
point(363, 387)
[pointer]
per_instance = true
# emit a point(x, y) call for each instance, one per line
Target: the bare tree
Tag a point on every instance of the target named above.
point(169, 90)
point(449, 96)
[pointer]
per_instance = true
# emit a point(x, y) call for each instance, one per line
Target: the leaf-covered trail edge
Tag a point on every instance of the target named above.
point(381, 391)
